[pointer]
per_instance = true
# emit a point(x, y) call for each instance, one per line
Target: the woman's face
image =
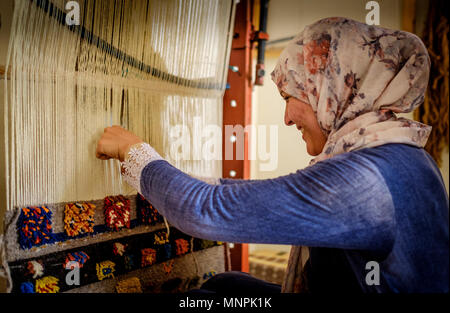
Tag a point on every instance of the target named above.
point(302, 115)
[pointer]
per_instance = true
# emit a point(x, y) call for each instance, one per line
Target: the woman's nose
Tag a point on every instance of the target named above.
point(287, 120)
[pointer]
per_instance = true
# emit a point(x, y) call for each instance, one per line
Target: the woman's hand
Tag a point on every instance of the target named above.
point(115, 143)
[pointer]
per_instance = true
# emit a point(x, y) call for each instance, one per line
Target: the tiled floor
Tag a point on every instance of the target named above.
point(268, 265)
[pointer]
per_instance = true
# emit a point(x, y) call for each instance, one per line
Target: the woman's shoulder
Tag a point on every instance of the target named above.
point(389, 161)
point(408, 173)
point(391, 155)
point(400, 165)
point(399, 157)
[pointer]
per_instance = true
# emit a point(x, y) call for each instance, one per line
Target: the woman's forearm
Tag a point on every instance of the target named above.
point(293, 209)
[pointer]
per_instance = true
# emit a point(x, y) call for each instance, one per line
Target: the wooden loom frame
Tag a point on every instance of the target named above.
point(239, 111)
point(239, 90)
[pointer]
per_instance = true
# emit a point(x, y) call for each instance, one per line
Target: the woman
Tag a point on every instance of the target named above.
point(371, 197)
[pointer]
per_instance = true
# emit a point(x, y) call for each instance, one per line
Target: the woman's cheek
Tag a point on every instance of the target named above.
point(297, 114)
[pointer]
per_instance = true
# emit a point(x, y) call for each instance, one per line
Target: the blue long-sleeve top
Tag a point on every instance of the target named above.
point(386, 204)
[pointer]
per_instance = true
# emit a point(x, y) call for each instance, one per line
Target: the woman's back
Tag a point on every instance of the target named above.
point(418, 260)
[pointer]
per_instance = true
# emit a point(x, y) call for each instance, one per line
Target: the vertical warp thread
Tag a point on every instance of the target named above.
point(64, 89)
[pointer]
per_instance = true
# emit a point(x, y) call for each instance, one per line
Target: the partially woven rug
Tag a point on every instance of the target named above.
point(118, 244)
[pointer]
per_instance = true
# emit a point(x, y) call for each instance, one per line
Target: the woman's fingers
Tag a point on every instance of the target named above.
point(105, 148)
point(103, 157)
point(114, 143)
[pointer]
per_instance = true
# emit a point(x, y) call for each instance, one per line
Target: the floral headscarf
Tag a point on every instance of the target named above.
point(355, 77)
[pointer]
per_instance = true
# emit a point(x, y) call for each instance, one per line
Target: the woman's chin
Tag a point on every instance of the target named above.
point(312, 151)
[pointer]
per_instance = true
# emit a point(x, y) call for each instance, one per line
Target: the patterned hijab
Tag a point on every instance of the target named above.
point(355, 77)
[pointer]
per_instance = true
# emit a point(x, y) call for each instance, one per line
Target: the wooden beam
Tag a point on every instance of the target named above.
point(409, 15)
point(237, 110)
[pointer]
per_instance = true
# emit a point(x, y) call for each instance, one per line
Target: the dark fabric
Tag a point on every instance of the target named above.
point(328, 271)
point(236, 282)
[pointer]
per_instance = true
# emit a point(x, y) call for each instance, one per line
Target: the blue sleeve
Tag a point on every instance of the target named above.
point(341, 203)
point(229, 181)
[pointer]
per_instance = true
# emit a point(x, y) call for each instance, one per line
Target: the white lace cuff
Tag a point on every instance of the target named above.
point(135, 161)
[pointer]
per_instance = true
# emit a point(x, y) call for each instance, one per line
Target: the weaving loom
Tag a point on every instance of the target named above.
point(147, 65)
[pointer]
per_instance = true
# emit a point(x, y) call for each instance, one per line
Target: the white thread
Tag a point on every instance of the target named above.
point(167, 227)
point(193, 255)
point(63, 91)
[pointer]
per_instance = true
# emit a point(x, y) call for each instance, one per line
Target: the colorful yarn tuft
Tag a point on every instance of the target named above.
point(146, 213)
point(105, 269)
point(27, 287)
point(205, 244)
point(182, 246)
point(161, 238)
point(35, 268)
point(47, 284)
point(79, 257)
point(119, 249)
point(208, 275)
point(129, 285)
point(35, 227)
point(79, 218)
point(168, 266)
point(148, 257)
point(117, 212)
